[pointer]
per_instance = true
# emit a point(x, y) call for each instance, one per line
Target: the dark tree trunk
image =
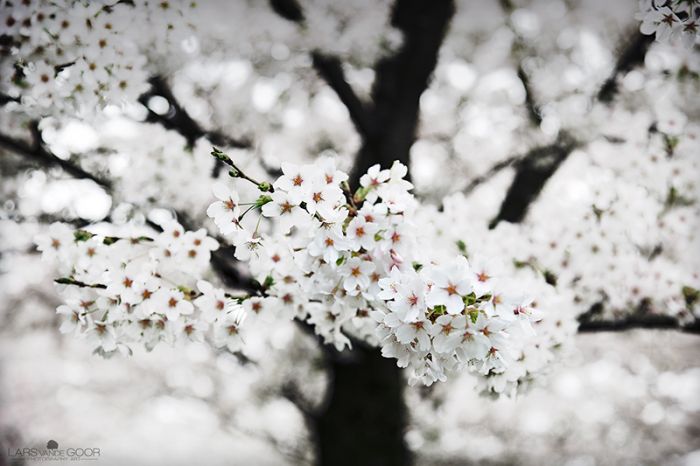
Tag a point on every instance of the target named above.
point(364, 420)
point(400, 81)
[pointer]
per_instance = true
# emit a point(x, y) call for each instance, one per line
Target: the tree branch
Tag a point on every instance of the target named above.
point(637, 321)
point(288, 9)
point(533, 171)
point(533, 110)
point(177, 118)
point(4, 99)
point(331, 70)
point(37, 152)
point(400, 81)
point(630, 57)
point(503, 164)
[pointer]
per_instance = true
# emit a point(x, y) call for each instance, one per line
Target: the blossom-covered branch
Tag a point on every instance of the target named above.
point(330, 69)
point(37, 152)
point(177, 119)
point(631, 56)
point(532, 173)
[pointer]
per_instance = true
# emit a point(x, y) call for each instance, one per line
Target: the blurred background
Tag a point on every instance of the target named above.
point(617, 114)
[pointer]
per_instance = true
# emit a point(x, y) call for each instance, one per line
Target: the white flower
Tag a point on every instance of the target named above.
point(374, 177)
point(247, 244)
point(74, 319)
point(226, 211)
point(57, 243)
point(418, 331)
point(484, 273)
point(101, 335)
point(285, 209)
point(357, 275)
point(323, 198)
point(390, 285)
point(196, 248)
point(192, 330)
point(449, 285)
point(170, 302)
point(447, 332)
point(474, 343)
point(328, 173)
point(360, 234)
point(410, 300)
point(228, 331)
point(296, 181)
point(328, 243)
point(663, 22)
point(121, 283)
point(212, 302)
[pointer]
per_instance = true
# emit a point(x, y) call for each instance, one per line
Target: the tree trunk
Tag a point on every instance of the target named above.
point(364, 420)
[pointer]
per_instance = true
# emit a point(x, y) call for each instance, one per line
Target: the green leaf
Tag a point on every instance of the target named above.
point(110, 240)
point(550, 277)
point(469, 299)
point(221, 156)
point(269, 282)
point(417, 266)
point(462, 246)
point(82, 235)
point(361, 194)
point(691, 295)
point(262, 200)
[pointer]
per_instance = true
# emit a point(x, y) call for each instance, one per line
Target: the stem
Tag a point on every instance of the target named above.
point(238, 173)
point(78, 283)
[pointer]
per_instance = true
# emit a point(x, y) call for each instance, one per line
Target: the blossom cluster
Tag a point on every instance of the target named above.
point(355, 267)
point(120, 291)
point(670, 20)
point(75, 56)
point(633, 215)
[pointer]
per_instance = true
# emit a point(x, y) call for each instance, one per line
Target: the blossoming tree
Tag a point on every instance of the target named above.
point(302, 212)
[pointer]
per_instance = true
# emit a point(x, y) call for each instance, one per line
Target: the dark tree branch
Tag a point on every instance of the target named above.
point(533, 110)
point(37, 153)
point(643, 317)
point(4, 99)
point(532, 174)
point(400, 81)
point(331, 70)
point(364, 403)
point(177, 118)
point(222, 262)
point(630, 57)
point(517, 49)
point(637, 321)
point(288, 9)
point(503, 164)
point(221, 259)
